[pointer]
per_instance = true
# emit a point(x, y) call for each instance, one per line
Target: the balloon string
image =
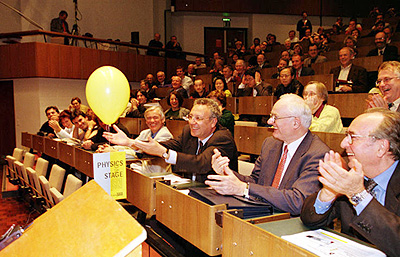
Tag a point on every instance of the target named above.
point(108, 130)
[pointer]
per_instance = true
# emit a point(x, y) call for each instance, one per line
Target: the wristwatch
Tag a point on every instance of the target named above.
point(357, 198)
point(246, 192)
point(166, 155)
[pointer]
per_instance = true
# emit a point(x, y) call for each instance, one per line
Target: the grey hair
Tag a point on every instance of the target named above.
point(212, 106)
point(156, 108)
point(298, 108)
point(388, 129)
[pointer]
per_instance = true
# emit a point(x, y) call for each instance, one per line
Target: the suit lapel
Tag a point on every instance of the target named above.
point(292, 169)
point(271, 164)
point(392, 200)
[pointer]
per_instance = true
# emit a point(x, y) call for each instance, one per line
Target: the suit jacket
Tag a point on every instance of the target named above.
point(56, 25)
point(98, 139)
point(391, 53)
point(306, 71)
point(377, 224)
point(357, 74)
point(162, 135)
point(294, 87)
point(262, 90)
point(319, 59)
point(300, 179)
point(186, 147)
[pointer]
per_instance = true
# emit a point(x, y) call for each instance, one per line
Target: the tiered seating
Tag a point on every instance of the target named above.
point(9, 168)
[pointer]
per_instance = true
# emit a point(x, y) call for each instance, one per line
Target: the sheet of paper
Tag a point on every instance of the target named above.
point(325, 243)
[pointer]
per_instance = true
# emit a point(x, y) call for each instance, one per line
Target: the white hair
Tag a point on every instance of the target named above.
point(298, 108)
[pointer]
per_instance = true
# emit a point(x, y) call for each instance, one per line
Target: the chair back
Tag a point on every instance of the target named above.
point(56, 178)
point(29, 160)
point(34, 181)
point(45, 185)
point(41, 167)
point(57, 196)
point(72, 184)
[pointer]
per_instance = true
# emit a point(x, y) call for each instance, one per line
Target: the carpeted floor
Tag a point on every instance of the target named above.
point(14, 211)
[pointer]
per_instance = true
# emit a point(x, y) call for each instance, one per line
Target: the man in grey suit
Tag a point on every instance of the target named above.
point(365, 198)
point(314, 56)
point(389, 84)
point(286, 171)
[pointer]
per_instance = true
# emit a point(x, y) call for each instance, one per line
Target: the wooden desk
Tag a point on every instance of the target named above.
point(38, 143)
point(241, 238)
point(259, 105)
point(51, 147)
point(350, 105)
point(190, 218)
point(84, 161)
point(67, 153)
point(327, 79)
point(26, 139)
point(249, 139)
point(370, 63)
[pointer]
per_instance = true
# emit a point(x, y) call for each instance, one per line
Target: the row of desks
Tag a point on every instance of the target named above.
point(193, 220)
point(350, 105)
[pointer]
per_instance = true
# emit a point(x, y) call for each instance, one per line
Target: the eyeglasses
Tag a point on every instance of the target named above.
point(384, 80)
point(196, 118)
point(350, 137)
point(274, 118)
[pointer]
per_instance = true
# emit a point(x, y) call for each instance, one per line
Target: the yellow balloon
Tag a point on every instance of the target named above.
point(107, 93)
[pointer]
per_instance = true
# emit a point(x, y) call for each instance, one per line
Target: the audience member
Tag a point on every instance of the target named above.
point(288, 83)
point(326, 118)
point(352, 26)
point(240, 68)
point(191, 72)
point(314, 56)
point(195, 146)
point(351, 42)
point(300, 70)
point(256, 42)
point(218, 67)
point(298, 49)
point(226, 120)
point(198, 64)
point(161, 80)
point(60, 25)
point(389, 52)
point(286, 172)
point(175, 49)
point(303, 25)
point(292, 37)
point(220, 85)
point(355, 33)
point(262, 62)
point(176, 112)
point(377, 28)
point(199, 89)
point(227, 71)
point(349, 77)
point(288, 47)
point(145, 86)
point(307, 37)
point(155, 121)
point(76, 105)
point(66, 130)
point(176, 86)
point(81, 121)
point(52, 113)
point(389, 33)
point(389, 85)
point(364, 198)
point(138, 102)
point(253, 88)
point(99, 139)
point(339, 24)
point(283, 63)
point(186, 81)
point(150, 78)
point(156, 44)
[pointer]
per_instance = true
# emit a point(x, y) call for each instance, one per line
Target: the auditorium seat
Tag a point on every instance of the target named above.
point(21, 172)
point(41, 167)
point(29, 160)
point(34, 182)
point(72, 184)
point(45, 186)
point(9, 168)
point(56, 178)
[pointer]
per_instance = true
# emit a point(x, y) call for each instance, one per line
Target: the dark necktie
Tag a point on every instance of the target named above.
point(369, 185)
point(279, 170)
point(390, 105)
point(380, 52)
point(201, 148)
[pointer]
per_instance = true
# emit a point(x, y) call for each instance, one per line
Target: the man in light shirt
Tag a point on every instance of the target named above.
point(349, 77)
point(364, 197)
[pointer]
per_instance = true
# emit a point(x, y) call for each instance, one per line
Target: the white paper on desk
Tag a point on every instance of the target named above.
point(324, 243)
point(175, 180)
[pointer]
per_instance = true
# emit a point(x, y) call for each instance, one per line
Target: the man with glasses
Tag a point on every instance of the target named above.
point(286, 171)
point(191, 152)
point(365, 197)
point(288, 83)
point(389, 85)
point(389, 52)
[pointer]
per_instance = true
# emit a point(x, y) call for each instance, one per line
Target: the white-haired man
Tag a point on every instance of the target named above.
point(286, 172)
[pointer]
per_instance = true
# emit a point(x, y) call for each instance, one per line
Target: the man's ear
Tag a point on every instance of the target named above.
point(297, 123)
point(384, 147)
point(214, 122)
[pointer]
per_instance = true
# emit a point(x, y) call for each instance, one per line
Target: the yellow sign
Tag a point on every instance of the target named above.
point(110, 173)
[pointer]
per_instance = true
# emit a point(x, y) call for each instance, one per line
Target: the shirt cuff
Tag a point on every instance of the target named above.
point(241, 86)
point(172, 157)
point(321, 207)
point(362, 204)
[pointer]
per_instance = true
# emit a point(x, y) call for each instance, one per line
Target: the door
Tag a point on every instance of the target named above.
point(7, 118)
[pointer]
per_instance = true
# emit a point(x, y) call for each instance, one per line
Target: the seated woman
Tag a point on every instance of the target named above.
point(227, 120)
point(326, 118)
point(67, 129)
point(176, 112)
point(219, 84)
point(155, 120)
point(137, 105)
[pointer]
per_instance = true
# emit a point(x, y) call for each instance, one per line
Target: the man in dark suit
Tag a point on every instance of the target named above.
point(191, 152)
point(390, 53)
point(60, 25)
point(286, 171)
point(288, 83)
point(349, 77)
point(389, 84)
point(300, 70)
point(252, 87)
point(367, 197)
